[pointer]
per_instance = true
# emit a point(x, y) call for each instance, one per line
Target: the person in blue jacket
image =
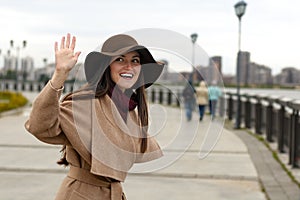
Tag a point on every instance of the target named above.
point(214, 94)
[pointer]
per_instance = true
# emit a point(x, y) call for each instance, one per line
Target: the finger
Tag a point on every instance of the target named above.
point(55, 46)
point(77, 55)
point(73, 43)
point(62, 42)
point(68, 40)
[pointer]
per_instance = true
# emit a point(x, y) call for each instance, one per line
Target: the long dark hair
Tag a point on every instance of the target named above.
point(106, 83)
point(102, 88)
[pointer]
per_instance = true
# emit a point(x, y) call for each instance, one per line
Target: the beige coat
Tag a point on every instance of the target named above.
point(100, 146)
point(202, 94)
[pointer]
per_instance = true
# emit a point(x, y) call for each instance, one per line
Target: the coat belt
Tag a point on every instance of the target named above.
point(85, 176)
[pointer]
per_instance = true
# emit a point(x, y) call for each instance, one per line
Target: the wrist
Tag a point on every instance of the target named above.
point(58, 80)
point(54, 87)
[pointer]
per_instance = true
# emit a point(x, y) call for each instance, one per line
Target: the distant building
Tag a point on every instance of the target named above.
point(289, 76)
point(259, 74)
point(211, 72)
point(228, 79)
point(218, 62)
point(244, 67)
point(10, 63)
point(27, 69)
point(23, 67)
point(45, 73)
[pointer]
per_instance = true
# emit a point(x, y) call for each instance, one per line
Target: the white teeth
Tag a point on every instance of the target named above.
point(125, 75)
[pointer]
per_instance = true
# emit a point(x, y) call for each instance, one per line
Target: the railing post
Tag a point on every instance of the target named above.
point(161, 96)
point(280, 137)
point(294, 138)
point(230, 106)
point(269, 120)
point(153, 95)
point(178, 98)
point(248, 113)
point(39, 87)
point(258, 118)
point(238, 113)
point(222, 105)
point(169, 97)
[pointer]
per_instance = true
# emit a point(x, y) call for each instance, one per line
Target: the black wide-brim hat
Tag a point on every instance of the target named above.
point(96, 62)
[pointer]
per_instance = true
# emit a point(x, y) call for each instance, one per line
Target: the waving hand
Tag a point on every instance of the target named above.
point(65, 60)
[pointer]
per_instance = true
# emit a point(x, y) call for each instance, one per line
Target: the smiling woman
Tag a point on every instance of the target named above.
point(103, 126)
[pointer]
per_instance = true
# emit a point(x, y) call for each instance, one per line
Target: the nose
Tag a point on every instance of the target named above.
point(128, 65)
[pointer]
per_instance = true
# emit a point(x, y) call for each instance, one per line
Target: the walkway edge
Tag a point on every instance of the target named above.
point(275, 181)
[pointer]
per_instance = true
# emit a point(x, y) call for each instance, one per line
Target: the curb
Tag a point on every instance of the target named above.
point(275, 181)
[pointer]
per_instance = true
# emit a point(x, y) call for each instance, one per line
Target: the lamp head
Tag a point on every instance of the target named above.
point(24, 43)
point(194, 37)
point(11, 43)
point(240, 8)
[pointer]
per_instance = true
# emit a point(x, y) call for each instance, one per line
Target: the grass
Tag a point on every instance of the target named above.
point(11, 100)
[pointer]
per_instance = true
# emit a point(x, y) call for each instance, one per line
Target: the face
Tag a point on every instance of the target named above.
point(125, 70)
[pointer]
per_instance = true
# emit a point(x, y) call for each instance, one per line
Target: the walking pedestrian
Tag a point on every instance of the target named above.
point(188, 95)
point(103, 125)
point(214, 94)
point(202, 98)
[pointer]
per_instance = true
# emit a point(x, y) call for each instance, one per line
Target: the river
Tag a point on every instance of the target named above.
point(289, 93)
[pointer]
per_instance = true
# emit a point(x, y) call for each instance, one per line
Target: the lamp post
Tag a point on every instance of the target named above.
point(194, 37)
point(240, 9)
point(24, 43)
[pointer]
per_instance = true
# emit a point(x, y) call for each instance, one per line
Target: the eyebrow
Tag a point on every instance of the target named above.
point(138, 56)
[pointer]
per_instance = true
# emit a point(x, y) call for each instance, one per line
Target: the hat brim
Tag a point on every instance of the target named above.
point(96, 63)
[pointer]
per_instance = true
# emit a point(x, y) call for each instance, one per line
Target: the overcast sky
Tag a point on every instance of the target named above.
point(270, 29)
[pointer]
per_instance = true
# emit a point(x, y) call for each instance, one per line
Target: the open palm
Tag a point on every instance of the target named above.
point(65, 58)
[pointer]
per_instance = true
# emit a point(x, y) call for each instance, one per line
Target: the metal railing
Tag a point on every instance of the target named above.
point(275, 118)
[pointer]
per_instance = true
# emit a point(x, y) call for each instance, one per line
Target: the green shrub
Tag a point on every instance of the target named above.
point(11, 100)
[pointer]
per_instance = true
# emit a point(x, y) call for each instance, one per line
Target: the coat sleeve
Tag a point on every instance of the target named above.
point(44, 122)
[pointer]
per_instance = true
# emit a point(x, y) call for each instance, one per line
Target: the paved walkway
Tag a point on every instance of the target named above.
point(189, 170)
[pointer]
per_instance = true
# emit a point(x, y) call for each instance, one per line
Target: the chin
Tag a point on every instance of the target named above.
point(126, 85)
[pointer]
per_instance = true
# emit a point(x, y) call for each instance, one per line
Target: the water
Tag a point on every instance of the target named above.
point(293, 94)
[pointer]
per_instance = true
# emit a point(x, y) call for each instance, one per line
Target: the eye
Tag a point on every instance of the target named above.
point(119, 59)
point(136, 60)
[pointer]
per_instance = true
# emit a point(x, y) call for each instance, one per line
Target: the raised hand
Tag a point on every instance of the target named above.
point(65, 60)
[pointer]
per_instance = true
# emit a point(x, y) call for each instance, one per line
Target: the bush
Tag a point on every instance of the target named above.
point(11, 100)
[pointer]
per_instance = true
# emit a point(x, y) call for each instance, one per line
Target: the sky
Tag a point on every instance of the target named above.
point(270, 29)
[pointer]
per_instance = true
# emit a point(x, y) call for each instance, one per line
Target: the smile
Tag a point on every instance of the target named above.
point(126, 75)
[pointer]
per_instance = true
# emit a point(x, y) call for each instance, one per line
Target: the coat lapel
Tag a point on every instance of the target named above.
point(111, 144)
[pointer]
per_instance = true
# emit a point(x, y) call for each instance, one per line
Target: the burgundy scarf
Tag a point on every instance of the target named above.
point(123, 102)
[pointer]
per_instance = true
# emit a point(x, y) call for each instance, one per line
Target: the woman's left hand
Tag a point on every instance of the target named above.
point(65, 60)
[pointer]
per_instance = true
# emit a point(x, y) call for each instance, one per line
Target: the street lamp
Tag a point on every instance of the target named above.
point(194, 37)
point(24, 43)
point(240, 9)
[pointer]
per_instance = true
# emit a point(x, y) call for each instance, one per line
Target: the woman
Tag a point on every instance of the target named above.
point(103, 126)
point(202, 98)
